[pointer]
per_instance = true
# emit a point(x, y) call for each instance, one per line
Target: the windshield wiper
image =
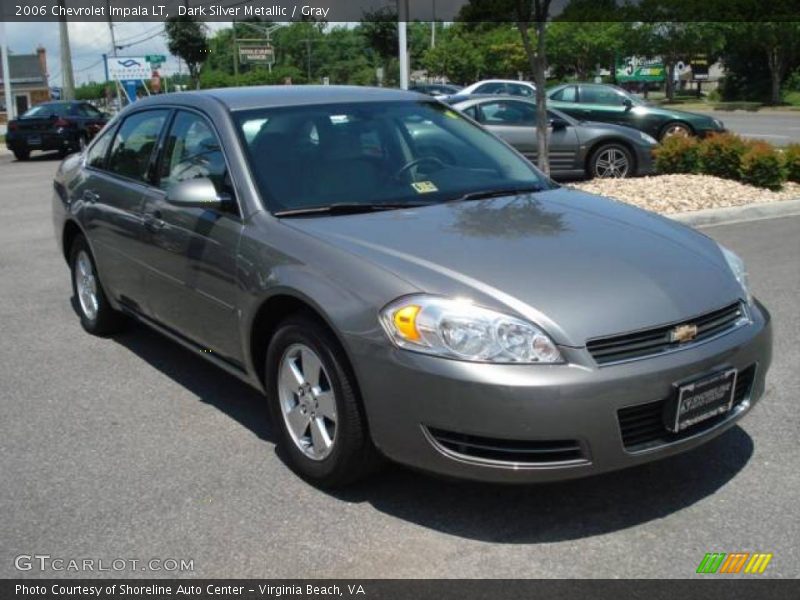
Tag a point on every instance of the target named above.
point(346, 208)
point(483, 194)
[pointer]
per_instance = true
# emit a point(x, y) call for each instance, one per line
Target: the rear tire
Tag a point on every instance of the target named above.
point(96, 314)
point(22, 155)
point(314, 404)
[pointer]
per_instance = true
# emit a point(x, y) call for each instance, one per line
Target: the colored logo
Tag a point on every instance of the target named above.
point(129, 63)
point(735, 562)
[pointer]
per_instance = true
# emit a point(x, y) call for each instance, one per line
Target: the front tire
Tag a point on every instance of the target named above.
point(314, 405)
point(611, 161)
point(96, 314)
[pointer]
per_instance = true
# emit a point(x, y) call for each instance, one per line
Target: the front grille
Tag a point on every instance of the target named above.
point(657, 340)
point(642, 426)
point(509, 451)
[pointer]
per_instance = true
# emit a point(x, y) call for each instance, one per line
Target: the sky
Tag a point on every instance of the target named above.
point(88, 42)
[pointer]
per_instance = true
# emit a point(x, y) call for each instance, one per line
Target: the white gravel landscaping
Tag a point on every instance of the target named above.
point(681, 193)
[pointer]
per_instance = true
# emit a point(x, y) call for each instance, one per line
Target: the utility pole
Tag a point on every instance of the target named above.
point(68, 88)
point(402, 28)
point(433, 24)
point(10, 107)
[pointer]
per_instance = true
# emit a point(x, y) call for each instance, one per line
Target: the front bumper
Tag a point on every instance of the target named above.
point(410, 397)
point(645, 165)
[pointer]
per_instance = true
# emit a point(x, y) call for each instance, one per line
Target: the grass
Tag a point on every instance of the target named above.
point(792, 98)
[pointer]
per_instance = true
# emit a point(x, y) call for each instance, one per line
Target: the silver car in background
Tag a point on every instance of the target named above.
point(433, 299)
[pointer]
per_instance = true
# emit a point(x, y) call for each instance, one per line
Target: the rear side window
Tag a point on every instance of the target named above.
point(491, 88)
point(599, 95)
point(87, 110)
point(517, 89)
point(96, 157)
point(134, 144)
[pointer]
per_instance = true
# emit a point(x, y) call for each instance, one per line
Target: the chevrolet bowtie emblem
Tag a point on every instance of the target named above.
point(683, 333)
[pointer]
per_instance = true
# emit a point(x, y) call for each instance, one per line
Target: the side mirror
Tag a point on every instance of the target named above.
point(196, 193)
point(558, 123)
point(627, 103)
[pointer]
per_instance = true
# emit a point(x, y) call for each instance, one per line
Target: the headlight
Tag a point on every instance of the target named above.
point(719, 124)
point(459, 329)
point(739, 271)
point(648, 138)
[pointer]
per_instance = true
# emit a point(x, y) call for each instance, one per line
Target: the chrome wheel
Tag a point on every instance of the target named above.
point(675, 130)
point(86, 285)
point(307, 401)
point(611, 162)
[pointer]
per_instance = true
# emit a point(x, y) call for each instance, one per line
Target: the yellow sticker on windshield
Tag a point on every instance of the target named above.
point(451, 114)
point(424, 187)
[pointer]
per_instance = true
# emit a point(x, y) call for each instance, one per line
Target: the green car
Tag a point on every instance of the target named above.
point(611, 104)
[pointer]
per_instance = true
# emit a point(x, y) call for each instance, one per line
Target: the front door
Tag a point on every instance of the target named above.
point(22, 104)
point(191, 262)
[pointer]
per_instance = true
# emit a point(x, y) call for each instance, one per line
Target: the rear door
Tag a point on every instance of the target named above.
point(602, 103)
point(191, 252)
point(118, 174)
point(515, 122)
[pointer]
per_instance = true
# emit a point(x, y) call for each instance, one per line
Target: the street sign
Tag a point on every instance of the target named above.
point(155, 58)
point(128, 67)
point(640, 69)
point(263, 54)
point(699, 66)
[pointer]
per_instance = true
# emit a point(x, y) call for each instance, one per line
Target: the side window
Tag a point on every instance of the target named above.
point(134, 144)
point(508, 113)
point(490, 88)
point(517, 89)
point(591, 94)
point(96, 157)
point(471, 112)
point(567, 94)
point(193, 150)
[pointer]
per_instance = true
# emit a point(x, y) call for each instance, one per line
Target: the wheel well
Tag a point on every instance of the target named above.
point(269, 315)
point(588, 167)
point(71, 231)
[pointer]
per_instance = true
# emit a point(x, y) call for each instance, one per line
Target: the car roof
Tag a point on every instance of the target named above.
point(268, 96)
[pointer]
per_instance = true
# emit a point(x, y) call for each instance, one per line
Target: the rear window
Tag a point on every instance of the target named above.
point(43, 111)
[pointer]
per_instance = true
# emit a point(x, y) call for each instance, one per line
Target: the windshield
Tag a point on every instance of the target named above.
point(392, 153)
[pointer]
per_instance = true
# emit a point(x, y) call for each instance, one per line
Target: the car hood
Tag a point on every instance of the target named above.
point(579, 265)
point(682, 115)
point(622, 130)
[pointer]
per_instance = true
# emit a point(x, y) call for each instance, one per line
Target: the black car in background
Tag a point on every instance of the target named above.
point(62, 126)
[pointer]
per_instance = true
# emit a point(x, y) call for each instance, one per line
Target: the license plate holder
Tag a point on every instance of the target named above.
point(701, 399)
point(34, 140)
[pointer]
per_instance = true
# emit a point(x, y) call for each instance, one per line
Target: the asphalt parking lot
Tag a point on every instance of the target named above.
point(134, 448)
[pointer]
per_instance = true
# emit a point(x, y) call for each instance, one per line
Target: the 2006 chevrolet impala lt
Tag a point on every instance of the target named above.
point(433, 299)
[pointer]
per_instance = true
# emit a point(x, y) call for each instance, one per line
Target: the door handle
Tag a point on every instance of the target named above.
point(90, 196)
point(153, 221)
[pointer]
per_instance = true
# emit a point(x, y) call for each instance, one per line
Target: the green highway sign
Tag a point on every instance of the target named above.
point(155, 58)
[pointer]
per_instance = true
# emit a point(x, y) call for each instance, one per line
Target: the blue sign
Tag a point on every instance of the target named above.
point(130, 86)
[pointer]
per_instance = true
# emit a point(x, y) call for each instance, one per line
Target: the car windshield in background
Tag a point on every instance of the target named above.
point(376, 154)
point(44, 111)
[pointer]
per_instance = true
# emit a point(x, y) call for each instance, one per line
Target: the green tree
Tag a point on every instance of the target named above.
point(186, 39)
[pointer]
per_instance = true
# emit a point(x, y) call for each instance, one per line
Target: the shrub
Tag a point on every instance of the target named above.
point(677, 155)
point(762, 166)
point(721, 155)
point(791, 159)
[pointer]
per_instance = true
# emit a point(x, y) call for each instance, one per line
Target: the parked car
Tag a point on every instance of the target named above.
point(611, 104)
point(436, 89)
point(466, 316)
point(62, 126)
point(508, 87)
point(577, 149)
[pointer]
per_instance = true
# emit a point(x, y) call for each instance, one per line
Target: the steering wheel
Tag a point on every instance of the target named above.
point(418, 161)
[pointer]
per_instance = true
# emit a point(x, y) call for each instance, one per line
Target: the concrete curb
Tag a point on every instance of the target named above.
point(738, 214)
